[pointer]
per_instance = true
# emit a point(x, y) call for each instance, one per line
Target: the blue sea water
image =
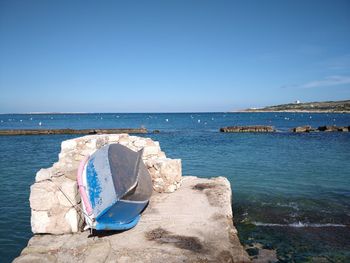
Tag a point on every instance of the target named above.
point(291, 192)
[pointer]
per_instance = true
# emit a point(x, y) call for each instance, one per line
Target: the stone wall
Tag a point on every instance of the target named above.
point(54, 198)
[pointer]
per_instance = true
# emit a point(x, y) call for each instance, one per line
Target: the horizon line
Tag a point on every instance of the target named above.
point(154, 112)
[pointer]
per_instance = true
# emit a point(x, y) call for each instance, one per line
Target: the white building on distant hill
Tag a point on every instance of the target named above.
point(297, 102)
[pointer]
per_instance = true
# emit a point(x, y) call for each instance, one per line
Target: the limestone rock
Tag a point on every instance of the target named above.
point(166, 174)
point(140, 143)
point(67, 196)
point(72, 219)
point(333, 128)
point(256, 128)
point(38, 258)
point(113, 138)
point(303, 129)
point(43, 174)
point(151, 150)
point(43, 196)
point(58, 222)
point(68, 145)
point(39, 221)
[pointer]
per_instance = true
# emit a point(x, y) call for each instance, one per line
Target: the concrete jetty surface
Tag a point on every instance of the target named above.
point(193, 224)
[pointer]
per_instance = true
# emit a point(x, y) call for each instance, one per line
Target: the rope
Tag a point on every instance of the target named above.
point(71, 202)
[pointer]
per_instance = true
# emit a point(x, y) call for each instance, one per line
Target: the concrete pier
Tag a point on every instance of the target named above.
point(193, 224)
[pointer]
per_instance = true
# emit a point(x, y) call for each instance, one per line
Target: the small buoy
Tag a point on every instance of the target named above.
point(166, 120)
point(310, 117)
point(40, 123)
point(101, 118)
point(117, 116)
point(199, 121)
point(20, 120)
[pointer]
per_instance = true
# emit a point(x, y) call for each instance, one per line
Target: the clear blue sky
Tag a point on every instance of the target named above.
point(165, 56)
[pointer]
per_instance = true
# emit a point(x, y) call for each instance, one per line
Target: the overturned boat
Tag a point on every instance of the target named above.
point(115, 187)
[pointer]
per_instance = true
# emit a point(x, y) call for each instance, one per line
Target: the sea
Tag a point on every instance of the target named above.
point(291, 191)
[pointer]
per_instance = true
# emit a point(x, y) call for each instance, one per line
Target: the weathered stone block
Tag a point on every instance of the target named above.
point(170, 169)
point(67, 197)
point(166, 174)
point(43, 174)
point(42, 196)
point(113, 138)
point(72, 219)
point(140, 143)
point(307, 128)
point(68, 145)
point(39, 221)
point(151, 150)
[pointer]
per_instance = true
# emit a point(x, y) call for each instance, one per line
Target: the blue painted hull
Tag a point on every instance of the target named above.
point(122, 212)
point(117, 226)
point(116, 190)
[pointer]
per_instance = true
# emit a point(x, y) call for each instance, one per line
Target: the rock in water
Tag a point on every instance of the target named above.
point(303, 129)
point(256, 128)
point(333, 128)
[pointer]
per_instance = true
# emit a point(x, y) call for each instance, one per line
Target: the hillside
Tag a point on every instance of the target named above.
point(326, 106)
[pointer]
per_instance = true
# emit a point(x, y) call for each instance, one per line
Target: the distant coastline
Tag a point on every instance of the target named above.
point(308, 107)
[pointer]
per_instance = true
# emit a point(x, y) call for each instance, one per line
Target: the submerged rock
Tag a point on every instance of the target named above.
point(306, 128)
point(333, 128)
point(326, 128)
point(257, 128)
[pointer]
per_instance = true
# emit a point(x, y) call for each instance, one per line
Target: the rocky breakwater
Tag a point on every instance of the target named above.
point(54, 198)
point(334, 128)
point(256, 128)
point(326, 128)
point(306, 128)
point(71, 131)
